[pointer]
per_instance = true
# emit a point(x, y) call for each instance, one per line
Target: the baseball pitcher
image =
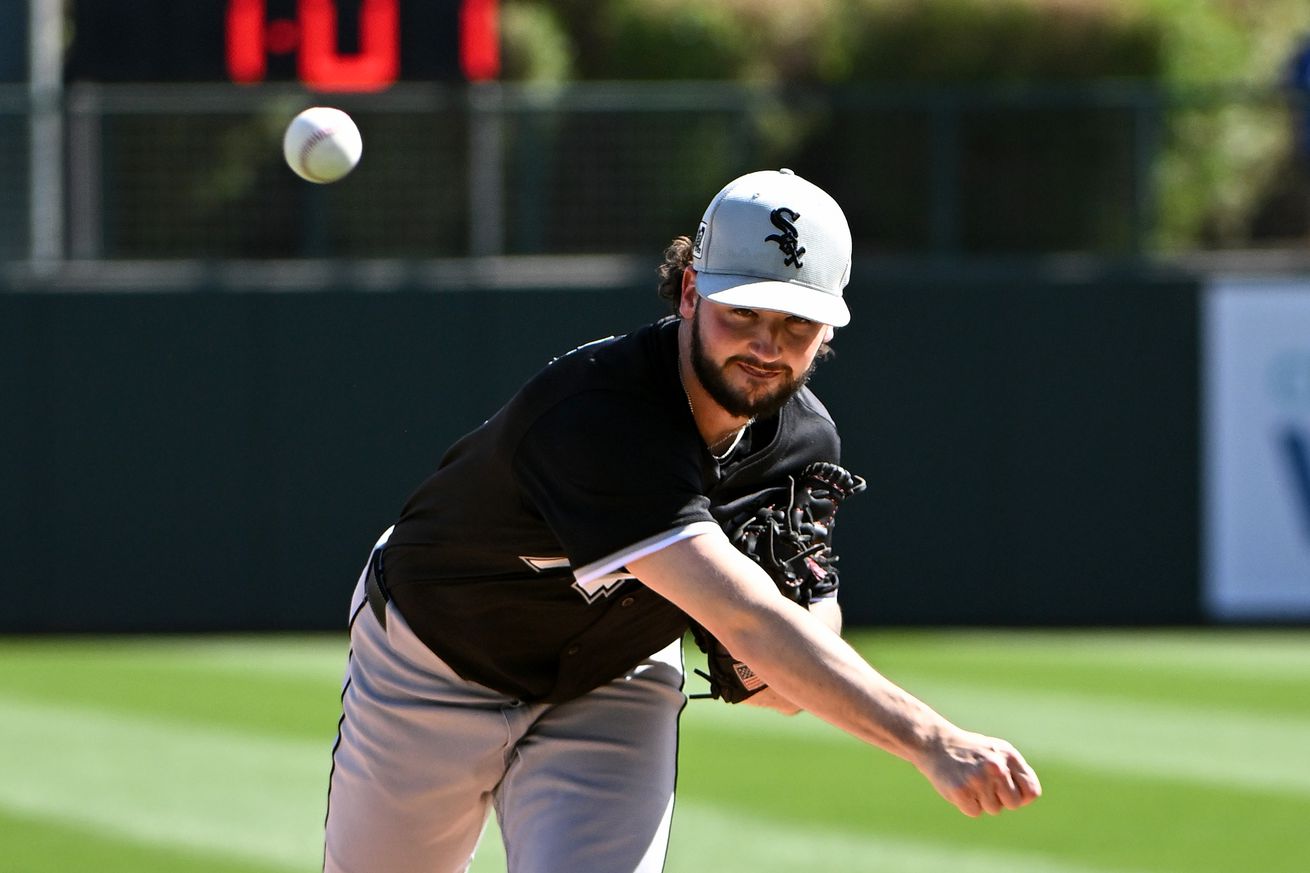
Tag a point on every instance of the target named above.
point(516, 634)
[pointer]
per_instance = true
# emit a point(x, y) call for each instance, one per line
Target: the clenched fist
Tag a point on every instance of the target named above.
point(979, 773)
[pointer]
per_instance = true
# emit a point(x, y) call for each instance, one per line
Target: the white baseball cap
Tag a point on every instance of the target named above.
point(771, 240)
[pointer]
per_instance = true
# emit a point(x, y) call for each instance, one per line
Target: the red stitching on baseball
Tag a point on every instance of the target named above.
point(314, 139)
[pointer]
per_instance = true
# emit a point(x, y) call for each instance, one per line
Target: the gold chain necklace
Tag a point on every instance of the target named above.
point(736, 438)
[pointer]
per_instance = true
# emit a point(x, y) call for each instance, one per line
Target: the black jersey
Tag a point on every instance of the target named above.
point(508, 562)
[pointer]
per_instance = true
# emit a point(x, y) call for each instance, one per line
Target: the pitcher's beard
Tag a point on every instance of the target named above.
point(734, 400)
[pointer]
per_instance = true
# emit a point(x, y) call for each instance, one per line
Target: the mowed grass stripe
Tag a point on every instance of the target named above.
point(714, 838)
point(709, 837)
point(1227, 653)
point(1133, 736)
point(232, 683)
point(1134, 732)
point(319, 656)
point(257, 801)
point(1245, 671)
point(290, 684)
point(238, 794)
point(1195, 743)
point(38, 845)
point(1253, 655)
point(1088, 815)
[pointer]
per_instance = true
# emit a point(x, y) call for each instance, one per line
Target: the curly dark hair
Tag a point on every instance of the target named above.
point(677, 258)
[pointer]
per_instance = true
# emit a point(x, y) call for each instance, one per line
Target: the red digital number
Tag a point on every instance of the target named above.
point(479, 39)
point(313, 35)
point(245, 41)
point(374, 67)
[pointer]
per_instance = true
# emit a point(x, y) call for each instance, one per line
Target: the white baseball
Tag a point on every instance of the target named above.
point(322, 144)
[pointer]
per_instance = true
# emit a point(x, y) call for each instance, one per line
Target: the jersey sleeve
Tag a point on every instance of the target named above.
point(614, 476)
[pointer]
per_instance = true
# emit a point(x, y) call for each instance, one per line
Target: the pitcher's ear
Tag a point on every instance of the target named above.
point(690, 296)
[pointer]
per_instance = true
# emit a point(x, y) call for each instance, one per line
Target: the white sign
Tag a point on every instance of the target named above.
point(1256, 398)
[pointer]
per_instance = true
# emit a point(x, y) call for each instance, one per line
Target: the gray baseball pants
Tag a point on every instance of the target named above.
point(421, 756)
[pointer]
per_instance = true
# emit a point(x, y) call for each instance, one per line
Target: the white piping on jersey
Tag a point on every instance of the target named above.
point(602, 586)
point(599, 578)
point(586, 345)
point(543, 564)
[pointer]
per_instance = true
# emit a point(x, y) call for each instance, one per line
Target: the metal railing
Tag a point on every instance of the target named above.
point(160, 173)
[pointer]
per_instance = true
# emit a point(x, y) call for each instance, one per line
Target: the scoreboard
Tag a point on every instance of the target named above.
point(328, 45)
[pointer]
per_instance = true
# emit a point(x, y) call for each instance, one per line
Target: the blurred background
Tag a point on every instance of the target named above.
point(1077, 378)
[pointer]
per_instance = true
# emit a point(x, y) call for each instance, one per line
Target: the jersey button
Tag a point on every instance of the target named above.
point(627, 601)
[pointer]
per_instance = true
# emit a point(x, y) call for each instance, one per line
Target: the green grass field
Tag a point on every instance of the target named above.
point(1170, 751)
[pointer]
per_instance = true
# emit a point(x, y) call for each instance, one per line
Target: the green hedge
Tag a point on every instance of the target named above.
point(1215, 166)
point(838, 41)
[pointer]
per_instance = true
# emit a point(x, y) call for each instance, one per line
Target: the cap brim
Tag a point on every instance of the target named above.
point(789, 297)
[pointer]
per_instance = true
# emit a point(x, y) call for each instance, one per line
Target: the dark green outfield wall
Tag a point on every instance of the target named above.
point(195, 461)
point(1032, 450)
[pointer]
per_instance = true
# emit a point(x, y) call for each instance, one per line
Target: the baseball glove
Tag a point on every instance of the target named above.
point(788, 532)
